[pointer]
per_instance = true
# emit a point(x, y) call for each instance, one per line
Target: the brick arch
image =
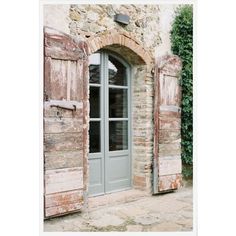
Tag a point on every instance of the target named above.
point(142, 62)
point(117, 41)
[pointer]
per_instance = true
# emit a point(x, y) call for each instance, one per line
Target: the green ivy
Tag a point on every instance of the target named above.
point(182, 45)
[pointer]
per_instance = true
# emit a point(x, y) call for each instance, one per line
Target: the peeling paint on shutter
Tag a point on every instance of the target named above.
point(65, 123)
point(167, 166)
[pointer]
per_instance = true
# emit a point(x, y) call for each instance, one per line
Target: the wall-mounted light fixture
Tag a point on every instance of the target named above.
point(121, 18)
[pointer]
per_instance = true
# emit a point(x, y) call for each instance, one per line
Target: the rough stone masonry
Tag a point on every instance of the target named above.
point(150, 23)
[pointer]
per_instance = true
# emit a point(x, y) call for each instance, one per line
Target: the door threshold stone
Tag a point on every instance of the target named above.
point(116, 198)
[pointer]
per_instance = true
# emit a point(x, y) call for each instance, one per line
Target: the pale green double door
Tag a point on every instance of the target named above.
point(109, 132)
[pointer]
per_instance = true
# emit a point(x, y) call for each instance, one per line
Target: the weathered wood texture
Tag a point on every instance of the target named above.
point(169, 149)
point(52, 111)
point(61, 180)
point(169, 165)
point(61, 203)
point(63, 141)
point(169, 182)
point(85, 82)
point(65, 123)
point(61, 125)
point(63, 159)
point(62, 46)
point(167, 124)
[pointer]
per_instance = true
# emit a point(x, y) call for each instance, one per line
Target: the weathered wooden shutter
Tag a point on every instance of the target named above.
point(167, 124)
point(65, 123)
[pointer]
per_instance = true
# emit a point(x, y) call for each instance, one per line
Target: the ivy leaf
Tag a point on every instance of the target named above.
point(182, 45)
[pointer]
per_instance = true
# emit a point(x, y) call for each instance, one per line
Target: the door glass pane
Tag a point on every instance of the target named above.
point(94, 137)
point(116, 72)
point(118, 107)
point(118, 135)
point(94, 68)
point(94, 98)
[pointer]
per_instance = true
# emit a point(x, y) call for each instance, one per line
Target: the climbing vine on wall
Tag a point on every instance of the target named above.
point(182, 45)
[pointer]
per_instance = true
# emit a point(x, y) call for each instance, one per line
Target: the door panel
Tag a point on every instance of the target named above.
point(96, 176)
point(109, 106)
point(65, 123)
point(118, 173)
point(167, 123)
point(118, 167)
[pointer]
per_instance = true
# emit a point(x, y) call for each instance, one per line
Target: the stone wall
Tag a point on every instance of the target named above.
point(142, 127)
point(88, 20)
point(147, 35)
point(57, 17)
point(166, 16)
point(150, 23)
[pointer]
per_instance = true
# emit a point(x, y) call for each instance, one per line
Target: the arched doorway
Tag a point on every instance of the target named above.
point(66, 120)
point(110, 123)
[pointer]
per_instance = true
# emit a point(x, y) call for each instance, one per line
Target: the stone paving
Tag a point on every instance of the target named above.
point(165, 212)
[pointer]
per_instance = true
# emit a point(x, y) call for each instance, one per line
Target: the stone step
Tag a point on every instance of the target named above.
point(112, 199)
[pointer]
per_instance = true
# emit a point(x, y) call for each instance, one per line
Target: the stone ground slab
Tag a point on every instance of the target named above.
point(165, 227)
point(146, 220)
point(131, 211)
point(134, 228)
point(106, 220)
point(140, 213)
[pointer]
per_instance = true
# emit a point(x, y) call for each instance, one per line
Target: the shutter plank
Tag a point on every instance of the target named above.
point(169, 165)
point(47, 77)
point(169, 182)
point(169, 123)
point(63, 209)
point(58, 80)
point(61, 180)
point(63, 159)
point(53, 111)
point(63, 141)
point(61, 125)
point(169, 136)
point(57, 199)
point(169, 149)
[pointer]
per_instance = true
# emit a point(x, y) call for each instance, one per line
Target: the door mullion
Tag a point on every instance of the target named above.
point(102, 99)
point(106, 126)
